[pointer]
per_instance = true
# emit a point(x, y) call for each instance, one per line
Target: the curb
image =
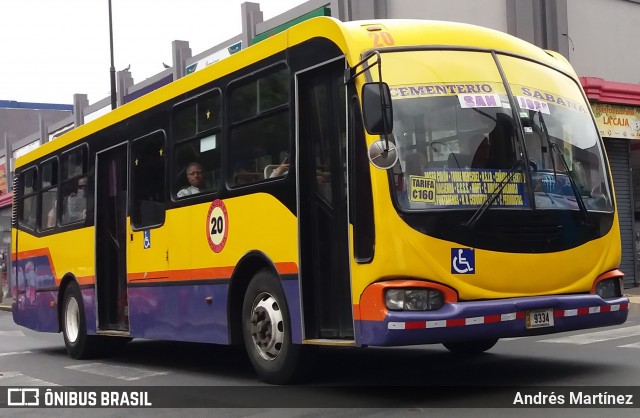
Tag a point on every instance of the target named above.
point(633, 299)
point(6, 308)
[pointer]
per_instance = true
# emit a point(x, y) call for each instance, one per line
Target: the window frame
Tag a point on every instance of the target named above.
point(173, 166)
point(33, 194)
point(233, 125)
point(132, 189)
point(42, 190)
point(75, 178)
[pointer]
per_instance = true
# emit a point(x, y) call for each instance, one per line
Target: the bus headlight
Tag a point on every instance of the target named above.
point(414, 299)
point(609, 288)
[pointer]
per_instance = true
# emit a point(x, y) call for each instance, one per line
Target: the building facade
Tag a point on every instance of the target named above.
point(596, 36)
point(17, 120)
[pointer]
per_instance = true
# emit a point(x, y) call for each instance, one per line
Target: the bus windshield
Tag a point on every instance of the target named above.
point(458, 142)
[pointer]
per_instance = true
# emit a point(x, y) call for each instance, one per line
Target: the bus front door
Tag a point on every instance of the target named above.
point(111, 225)
point(323, 220)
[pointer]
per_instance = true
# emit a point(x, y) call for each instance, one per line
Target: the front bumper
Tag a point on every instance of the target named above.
point(459, 321)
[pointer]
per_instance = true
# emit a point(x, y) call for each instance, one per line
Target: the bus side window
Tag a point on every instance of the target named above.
point(148, 180)
point(74, 186)
point(48, 194)
point(259, 146)
point(196, 135)
point(28, 196)
point(74, 202)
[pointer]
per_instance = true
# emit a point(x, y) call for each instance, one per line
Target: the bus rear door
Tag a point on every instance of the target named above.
point(323, 220)
point(110, 225)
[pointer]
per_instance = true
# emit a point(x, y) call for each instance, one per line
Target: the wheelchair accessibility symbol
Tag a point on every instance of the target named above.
point(463, 261)
point(147, 239)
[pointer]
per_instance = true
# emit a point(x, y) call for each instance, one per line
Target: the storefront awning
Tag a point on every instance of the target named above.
point(603, 91)
point(6, 199)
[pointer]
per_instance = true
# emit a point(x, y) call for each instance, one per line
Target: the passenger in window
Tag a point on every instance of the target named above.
point(76, 202)
point(51, 215)
point(195, 177)
point(283, 168)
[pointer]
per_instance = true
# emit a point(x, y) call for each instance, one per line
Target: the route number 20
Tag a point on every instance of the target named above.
point(217, 225)
point(381, 39)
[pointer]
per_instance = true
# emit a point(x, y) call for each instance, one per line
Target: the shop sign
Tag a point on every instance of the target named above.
point(617, 121)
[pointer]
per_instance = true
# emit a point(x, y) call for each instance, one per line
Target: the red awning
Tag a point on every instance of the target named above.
point(6, 199)
point(613, 92)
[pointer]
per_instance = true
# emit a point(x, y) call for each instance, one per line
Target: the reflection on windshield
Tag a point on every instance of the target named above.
point(455, 156)
point(581, 154)
point(457, 142)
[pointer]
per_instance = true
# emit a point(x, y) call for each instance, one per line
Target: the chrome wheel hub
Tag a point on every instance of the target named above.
point(267, 326)
point(72, 320)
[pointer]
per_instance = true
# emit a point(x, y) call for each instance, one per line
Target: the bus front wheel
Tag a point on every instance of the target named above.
point(79, 344)
point(267, 330)
point(470, 347)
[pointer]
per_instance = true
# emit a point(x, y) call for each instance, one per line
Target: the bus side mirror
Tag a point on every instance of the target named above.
point(376, 108)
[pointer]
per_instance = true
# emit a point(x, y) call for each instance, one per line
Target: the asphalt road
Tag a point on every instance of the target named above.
point(409, 381)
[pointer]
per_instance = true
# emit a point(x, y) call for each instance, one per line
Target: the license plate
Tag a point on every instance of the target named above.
point(539, 318)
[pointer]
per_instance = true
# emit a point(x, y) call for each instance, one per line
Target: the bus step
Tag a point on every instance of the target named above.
point(340, 343)
point(113, 333)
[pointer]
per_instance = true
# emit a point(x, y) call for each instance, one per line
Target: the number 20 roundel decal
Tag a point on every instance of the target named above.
point(217, 225)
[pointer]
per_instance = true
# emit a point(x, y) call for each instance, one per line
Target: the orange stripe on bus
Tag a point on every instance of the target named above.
point(83, 280)
point(209, 273)
point(40, 252)
point(183, 275)
point(287, 268)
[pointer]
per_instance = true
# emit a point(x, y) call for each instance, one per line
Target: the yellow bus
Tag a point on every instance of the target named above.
point(373, 183)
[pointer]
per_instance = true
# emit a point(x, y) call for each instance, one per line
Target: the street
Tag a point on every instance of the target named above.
point(604, 358)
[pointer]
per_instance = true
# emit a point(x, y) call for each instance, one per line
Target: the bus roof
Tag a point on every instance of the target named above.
point(353, 38)
point(414, 32)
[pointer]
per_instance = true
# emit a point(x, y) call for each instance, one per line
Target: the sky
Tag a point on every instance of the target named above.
point(50, 50)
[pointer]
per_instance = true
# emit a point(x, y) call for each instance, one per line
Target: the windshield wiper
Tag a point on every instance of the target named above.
point(574, 187)
point(471, 223)
point(545, 131)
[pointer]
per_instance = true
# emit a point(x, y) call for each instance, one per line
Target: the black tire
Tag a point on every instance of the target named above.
point(266, 329)
point(470, 347)
point(79, 344)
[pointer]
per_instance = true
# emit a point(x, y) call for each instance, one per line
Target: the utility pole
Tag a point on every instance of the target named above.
point(113, 69)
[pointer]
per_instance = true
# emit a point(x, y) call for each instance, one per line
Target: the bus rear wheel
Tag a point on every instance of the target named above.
point(79, 344)
point(267, 330)
point(470, 347)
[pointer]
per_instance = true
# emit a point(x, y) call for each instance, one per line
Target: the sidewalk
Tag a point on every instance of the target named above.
point(5, 304)
point(633, 294)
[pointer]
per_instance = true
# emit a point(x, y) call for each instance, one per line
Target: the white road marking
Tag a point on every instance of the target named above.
point(594, 337)
point(119, 372)
point(634, 345)
point(19, 379)
point(13, 353)
point(11, 334)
